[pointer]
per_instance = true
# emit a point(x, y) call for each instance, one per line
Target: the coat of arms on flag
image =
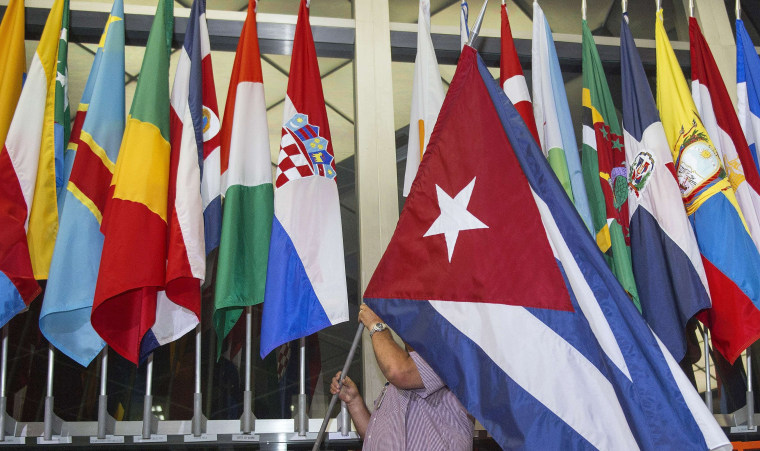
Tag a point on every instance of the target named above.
point(304, 152)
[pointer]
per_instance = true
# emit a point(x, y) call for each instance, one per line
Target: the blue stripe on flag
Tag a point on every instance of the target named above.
point(642, 110)
point(290, 300)
point(654, 401)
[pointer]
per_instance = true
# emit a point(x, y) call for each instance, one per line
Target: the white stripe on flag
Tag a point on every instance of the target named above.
point(248, 164)
point(569, 386)
point(516, 89)
point(589, 136)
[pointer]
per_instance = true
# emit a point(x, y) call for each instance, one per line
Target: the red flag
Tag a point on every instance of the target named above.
point(511, 78)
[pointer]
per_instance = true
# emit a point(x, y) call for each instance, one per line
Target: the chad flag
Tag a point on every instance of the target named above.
point(28, 213)
point(731, 259)
point(133, 263)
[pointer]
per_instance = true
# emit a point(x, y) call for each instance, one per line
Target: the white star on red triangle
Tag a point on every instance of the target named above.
point(454, 216)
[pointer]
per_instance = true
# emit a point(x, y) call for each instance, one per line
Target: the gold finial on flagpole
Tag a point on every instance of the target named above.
point(476, 27)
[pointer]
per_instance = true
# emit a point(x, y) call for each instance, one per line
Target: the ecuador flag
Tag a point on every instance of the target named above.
point(731, 259)
point(133, 264)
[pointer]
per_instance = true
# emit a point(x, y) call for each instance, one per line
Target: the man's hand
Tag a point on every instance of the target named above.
point(348, 392)
point(368, 317)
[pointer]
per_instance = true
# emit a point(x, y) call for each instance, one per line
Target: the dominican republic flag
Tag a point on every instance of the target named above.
point(731, 260)
point(604, 169)
point(748, 88)
point(306, 274)
point(28, 211)
point(248, 192)
point(667, 265)
point(511, 76)
point(132, 271)
point(719, 117)
point(427, 96)
point(500, 287)
point(94, 147)
point(552, 115)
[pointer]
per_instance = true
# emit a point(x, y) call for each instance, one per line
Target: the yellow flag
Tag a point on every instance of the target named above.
point(698, 165)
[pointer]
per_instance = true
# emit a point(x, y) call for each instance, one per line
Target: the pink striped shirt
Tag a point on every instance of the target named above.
point(425, 418)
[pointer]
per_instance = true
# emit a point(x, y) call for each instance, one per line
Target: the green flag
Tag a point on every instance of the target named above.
point(604, 168)
point(62, 112)
point(247, 186)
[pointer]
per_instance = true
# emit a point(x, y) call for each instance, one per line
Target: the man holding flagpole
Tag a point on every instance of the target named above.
point(415, 410)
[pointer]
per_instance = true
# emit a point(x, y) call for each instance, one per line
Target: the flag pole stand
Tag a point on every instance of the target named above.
point(199, 420)
point(7, 423)
point(53, 425)
point(150, 422)
point(708, 381)
point(302, 418)
point(248, 419)
point(345, 421)
point(750, 396)
point(106, 423)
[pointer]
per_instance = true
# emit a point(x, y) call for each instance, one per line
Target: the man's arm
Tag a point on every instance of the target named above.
point(356, 407)
point(395, 363)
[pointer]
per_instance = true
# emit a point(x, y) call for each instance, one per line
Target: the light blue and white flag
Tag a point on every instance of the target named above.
point(748, 88)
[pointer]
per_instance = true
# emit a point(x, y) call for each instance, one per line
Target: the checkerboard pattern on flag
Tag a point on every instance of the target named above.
point(306, 272)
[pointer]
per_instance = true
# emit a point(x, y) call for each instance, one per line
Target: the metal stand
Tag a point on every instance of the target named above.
point(199, 420)
point(247, 419)
point(344, 420)
point(53, 425)
point(343, 430)
point(7, 423)
point(744, 418)
point(150, 422)
point(302, 418)
point(106, 423)
point(708, 381)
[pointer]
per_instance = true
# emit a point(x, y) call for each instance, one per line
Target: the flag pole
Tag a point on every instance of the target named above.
point(624, 6)
point(738, 10)
point(343, 373)
point(708, 382)
point(197, 397)
point(105, 421)
point(5, 420)
point(750, 395)
point(52, 424)
point(147, 428)
point(246, 422)
point(476, 27)
point(659, 5)
point(691, 8)
point(583, 9)
point(302, 419)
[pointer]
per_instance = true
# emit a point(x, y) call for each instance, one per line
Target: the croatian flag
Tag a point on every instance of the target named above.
point(667, 265)
point(719, 117)
point(306, 274)
point(519, 313)
point(511, 76)
point(748, 88)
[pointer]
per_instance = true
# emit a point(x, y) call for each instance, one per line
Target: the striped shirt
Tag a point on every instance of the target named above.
point(421, 419)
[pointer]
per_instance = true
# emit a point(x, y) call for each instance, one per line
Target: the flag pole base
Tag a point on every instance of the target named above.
point(344, 420)
point(302, 418)
point(53, 426)
point(106, 423)
point(198, 423)
point(742, 422)
point(248, 418)
point(7, 424)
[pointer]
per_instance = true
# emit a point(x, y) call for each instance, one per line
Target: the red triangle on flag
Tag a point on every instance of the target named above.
point(507, 260)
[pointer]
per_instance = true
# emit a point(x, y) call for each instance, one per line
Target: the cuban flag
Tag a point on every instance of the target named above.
point(519, 313)
point(667, 265)
point(306, 274)
point(748, 88)
point(719, 118)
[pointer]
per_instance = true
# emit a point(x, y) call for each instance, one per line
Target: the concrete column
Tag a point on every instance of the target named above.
point(376, 184)
point(713, 19)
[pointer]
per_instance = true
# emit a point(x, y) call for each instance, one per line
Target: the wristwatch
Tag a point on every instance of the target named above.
point(378, 327)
